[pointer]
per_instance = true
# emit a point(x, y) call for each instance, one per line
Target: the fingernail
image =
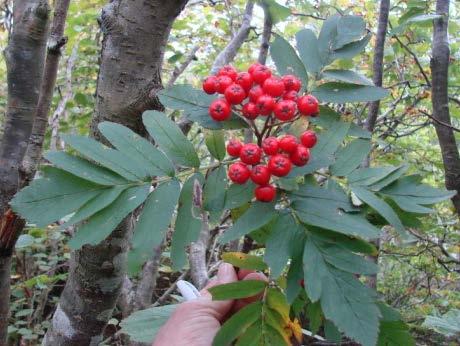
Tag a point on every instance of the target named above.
point(225, 270)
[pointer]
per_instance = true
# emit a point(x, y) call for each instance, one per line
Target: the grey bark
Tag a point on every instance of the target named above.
point(135, 36)
point(229, 52)
point(266, 35)
point(55, 43)
point(24, 58)
point(60, 111)
point(377, 77)
point(377, 66)
point(440, 100)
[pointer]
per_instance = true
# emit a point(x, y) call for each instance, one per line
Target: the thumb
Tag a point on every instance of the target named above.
point(226, 274)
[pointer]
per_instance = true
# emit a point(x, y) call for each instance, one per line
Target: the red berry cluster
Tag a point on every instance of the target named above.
point(280, 154)
point(266, 94)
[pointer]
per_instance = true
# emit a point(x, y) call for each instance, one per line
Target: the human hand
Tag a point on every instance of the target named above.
point(196, 322)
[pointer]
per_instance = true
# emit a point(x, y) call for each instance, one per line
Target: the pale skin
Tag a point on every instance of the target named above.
point(196, 322)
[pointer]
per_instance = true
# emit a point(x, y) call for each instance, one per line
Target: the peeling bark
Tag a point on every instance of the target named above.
point(440, 100)
point(24, 57)
point(135, 35)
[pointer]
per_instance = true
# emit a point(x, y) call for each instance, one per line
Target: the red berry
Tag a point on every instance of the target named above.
point(273, 86)
point(251, 154)
point(250, 110)
point(260, 74)
point(270, 145)
point(265, 193)
point(234, 147)
point(260, 175)
point(291, 95)
point(229, 71)
point(253, 67)
point(223, 82)
point(245, 80)
point(302, 283)
point(265, 104)
point(291, 82)
point(308, 105)
point(308, 139)
point(300, 156)
point(235, 94)
point(219, 110)
point(285, 110)
point(255, 93)
point(279, 165)
point(210, 85)
point(239, 173)
point(288, 143)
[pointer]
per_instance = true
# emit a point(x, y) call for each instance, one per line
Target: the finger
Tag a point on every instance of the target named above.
point(242, 273)
point(241, 303)
point(225, 274)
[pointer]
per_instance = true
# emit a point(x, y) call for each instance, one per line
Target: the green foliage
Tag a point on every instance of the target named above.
point(215, 142)
point(447, 324)
point(287, 61)
point(170, 139)
point(153, 223)
point(238, 289)
point(313, 232)
point(143, 325)
point(244, 261)
point(188, 224)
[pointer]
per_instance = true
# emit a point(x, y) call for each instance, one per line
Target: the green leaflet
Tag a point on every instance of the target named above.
point(188, 225)
point(381, 207)
point(411, 195)
point(104, 199)
point(101, 224)
point(112, 159)
point(258, 215)
point(237, 290)
point(214, 190)
point(286, 60)
point(237, 324)
point(238, 195)
point(284, 242)
point(322, 155)
point(340, 92)
point(84, 168)
point(346, 76)
point(344, 300)
point(142, 325)
point(137, 148)
point(307, 45)
point(54, 196)
point(170, 139)
point(153, 223)
point(244, 261)
point(215, 142)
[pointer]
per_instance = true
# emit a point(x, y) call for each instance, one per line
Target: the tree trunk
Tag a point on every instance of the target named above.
point(55, 42)
point(135, 36)
point(24, 57)
point(440, 100)
point(377, 77)
point(377, 66)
